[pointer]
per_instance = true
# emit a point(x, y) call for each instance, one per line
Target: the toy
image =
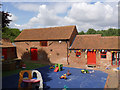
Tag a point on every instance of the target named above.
point(58, 67)
point(92, 71)
point(68, 73)
point(21, 77)
point(107, 67)
point(51, 67)
point(84, 71)
point(23, 66)
point(63, 77)
point(65, 87)
point(39, 77)
point(37, 80)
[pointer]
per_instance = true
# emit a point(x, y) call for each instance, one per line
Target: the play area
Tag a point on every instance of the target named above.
point(56, 76)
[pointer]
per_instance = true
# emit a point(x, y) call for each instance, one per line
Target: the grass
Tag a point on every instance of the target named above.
point(29, 66)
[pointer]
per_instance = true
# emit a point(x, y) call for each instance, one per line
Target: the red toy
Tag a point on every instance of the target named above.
point(63, 77)
point(23, 66)
point(56, 69)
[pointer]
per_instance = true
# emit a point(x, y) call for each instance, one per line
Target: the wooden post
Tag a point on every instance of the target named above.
point(67, 53)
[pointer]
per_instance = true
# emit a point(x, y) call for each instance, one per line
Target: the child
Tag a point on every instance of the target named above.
point(68, 73)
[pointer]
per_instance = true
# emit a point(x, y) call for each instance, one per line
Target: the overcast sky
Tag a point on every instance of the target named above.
point(102, 14)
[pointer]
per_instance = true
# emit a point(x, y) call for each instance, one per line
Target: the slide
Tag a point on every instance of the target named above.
point(56, 69)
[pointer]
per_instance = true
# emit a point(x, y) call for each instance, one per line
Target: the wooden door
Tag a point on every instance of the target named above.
point(4, 53)
point(91, 57)
point(34, 55)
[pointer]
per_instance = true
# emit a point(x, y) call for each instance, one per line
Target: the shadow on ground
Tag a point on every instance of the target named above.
point(12, 81)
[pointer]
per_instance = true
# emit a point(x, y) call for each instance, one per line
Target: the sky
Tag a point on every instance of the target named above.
point(99, 15)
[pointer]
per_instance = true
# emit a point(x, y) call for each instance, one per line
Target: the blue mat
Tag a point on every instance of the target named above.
point(75, 80)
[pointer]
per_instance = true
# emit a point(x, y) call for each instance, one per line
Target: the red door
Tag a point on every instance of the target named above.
point(91, 57)
point(34, 55)
point(4, 53)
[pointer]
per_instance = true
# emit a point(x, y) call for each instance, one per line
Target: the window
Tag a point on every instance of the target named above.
point(43, 43)
point(78, 54)
point(103, 54)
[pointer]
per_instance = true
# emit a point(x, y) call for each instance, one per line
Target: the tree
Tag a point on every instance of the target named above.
point(91, 31)
point(5, 20)
point(81, 33)
point(109, 32)
point(118, 32)
point(10, 33)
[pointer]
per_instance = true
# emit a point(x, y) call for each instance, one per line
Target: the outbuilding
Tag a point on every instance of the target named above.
point(96, 50)
point(8, 49)
point(46, 44)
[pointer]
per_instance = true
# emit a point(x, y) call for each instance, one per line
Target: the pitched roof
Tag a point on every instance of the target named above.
point(51, 33)
point(96, 41)
point(5, 42)
point(110, 42)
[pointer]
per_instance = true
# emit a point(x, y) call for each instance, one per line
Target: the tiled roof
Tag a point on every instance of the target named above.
point(96, 41)
point(52, 33)
point(5, 43)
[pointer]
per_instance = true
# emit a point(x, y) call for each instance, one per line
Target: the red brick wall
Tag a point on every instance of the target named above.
point(57, 55)
point(79, 61)
point(106, 61)
point(82, 60)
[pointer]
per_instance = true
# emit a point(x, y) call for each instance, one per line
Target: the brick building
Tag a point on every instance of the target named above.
point(46, 44)
point(8, 49)
point(95, 49)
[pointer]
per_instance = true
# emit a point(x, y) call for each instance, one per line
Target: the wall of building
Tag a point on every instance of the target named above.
point(82, 60)
point(79, 61)
point(106, 61)
point(55, 52)
point(11, 53)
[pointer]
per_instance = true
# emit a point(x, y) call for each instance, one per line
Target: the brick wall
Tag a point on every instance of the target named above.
point(107, 61)
point(73, 60)
point(82, 60)
point(56, 52)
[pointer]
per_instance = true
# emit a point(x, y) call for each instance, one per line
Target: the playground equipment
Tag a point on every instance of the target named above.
point(68, 73)
point(21, 77)
point(84, 71)
point(65, 87)
point(51, 67)
point(23, 66)
point(30, 81)
point(58, 67)
point(63, 77)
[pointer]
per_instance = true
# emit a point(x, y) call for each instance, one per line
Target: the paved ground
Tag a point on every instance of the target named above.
point(113, 76)
point(76, 80)
point(119, 80)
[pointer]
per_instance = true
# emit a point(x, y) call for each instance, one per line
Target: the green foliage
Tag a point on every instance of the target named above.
point(91, 31)
point(5, 19)
point(10, 33)
point(81, 33)
point(109, 32)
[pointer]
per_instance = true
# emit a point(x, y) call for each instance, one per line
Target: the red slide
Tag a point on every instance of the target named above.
point(56, 69)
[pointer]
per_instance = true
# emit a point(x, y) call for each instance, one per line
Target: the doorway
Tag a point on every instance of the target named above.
point(34, 55)
point(4, 53)
point(91, 57)
point(115, 58)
